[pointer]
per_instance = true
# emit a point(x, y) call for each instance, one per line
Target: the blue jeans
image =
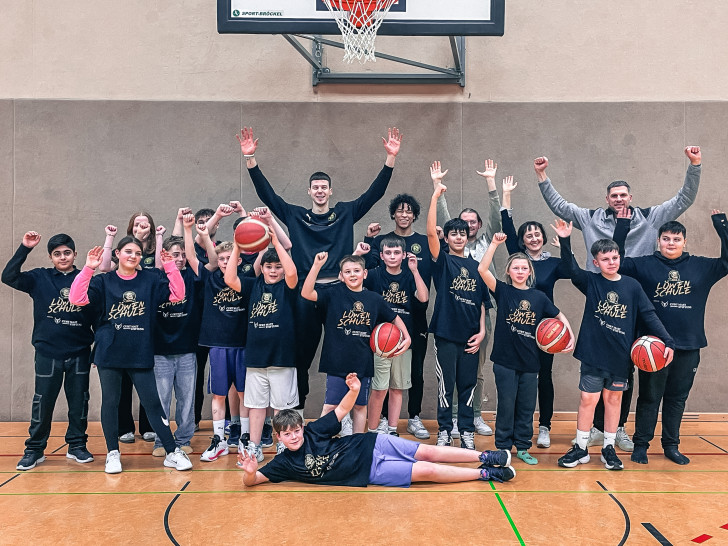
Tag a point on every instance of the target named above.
point(180, 372)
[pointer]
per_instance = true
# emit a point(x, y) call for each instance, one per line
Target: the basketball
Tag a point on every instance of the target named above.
point(252, 235)
point(648, 354)
point(385, 339)
point(552, 335)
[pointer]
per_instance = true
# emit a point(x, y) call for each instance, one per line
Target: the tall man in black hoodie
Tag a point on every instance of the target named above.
point(678, 285)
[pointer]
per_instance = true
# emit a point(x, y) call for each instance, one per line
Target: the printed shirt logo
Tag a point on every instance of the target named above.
point(416, 248)
point(318, 465)
point(62, 305)
point(611, 307)
point(129, 297)
point(226, 295)
point(247, 268)
point(331, 217)
point(522, 315)
point(356, 317)
point(65, 292)
point(149, 260)
point(266, 306)
point(463, 281)
point(395, 295)
point(673, 286)
point(127, 307)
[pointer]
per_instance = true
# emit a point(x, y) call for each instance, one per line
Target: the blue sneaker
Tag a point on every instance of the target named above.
point(499, 474)
point(227, 426)
point(499, 457)
point(266, 439)
point(234, 436)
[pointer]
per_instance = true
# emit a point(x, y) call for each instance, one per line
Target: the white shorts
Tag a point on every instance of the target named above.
point(275, 387)
point(393, 373)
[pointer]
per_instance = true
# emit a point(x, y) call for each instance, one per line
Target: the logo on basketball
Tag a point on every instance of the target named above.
point(128, 297)
point(416, 248)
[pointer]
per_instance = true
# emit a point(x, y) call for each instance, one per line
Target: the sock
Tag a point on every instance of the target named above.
point(244, 425)
point(235, 419)
point(371, 429)
point(609, 438)
point(582, 438)
point(218, 428)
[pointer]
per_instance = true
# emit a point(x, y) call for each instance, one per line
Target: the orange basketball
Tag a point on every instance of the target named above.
point(385, 339)
point(552, 335)
point(648, 353)
point(252, 235)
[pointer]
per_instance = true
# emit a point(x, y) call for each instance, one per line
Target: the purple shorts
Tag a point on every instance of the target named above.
point(336, 389)
point(392, 461)
point(227, 367)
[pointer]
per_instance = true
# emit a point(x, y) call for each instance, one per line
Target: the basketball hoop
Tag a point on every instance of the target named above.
point(358, 21)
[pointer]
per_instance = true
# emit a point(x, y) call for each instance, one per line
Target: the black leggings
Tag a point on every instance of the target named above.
point(146, 386)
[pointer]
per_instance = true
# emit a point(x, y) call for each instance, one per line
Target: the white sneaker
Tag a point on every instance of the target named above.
point(443, 438)
point(383, 427)
point(113, 462)
point(347, 426)
point(255, 451)
point(178, 460)
point(467, 440)
point(481, 427)
point(417, 428)
point(149, 436)
point(127, 438)
point(217, 449)
point(544, 437)
point(280, 448)
point(455, 432)
point(623, 441)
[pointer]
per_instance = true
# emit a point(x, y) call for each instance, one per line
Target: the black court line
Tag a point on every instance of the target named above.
point(60, 448)
point(657, 534)
point(624, 512)
point(166, 516)
point(711, 443)
point(11, 479)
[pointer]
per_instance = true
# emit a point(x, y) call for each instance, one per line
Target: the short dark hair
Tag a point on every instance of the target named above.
point(455, 224)
point(60, 239)
point(319, 175)
point(404, 199)
point(391, 241)
point(204, 212)
point(468, 209)
point(127, 240)
point(617, 184)
point(603, 245)
point(237, 221)
point(270, 257)
point(352, 258)
point(672, 227)
point(171, 241)
point(287, 419)
point(523, 228)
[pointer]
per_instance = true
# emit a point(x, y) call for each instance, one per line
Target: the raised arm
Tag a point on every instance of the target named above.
point(483, 267)
point(558, 205)
point(289, 268)
point(223, 210)
point(78, 294)
point(432, 239)
point(506, 218)
point(188, 220)
point(159, 235)
point(178, 229)
point(231, 271)
point(347, 403)
point(494, 217)
point(203, 236)
point(721, 227)
point(376, 190)
point(422, 293)
point(265, 216)
point(568, 262)
point(106, 263)
point(307, 290)
point(673, 208)
point(176, 283)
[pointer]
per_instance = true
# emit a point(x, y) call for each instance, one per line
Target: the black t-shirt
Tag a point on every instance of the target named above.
point(246, 267)
point(148, 261)
point(398, 291)
point(460, 293)
point(271, 325)
point(350, 320)
point(323, 459)
point(517, 317)
point(224, 311)
point(178, 323)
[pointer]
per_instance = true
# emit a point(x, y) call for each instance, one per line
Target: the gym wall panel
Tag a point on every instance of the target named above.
point(7, 247)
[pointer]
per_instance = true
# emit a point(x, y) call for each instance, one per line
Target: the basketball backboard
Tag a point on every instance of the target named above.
point(405, 18)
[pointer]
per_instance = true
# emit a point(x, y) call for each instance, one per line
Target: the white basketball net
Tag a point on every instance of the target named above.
point(358, 21)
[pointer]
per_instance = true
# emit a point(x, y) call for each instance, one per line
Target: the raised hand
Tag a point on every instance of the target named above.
point(436, 174)
point(555, 242)
point(439, 232)
point(188, 220)
point(93, 258)
point(490, 168)
point(248, 145)
point(561, 228)
point(224, 209)
point(182, 211)
point(624, 212)
point(715, 211)
point(202, 230)
point(412, 262)
point(352, 381)
point(161, 230)
point(373, 229)
point(499, 238)
point(694, 155)
point(110, 230)
point(263, 213)
point(509, 184)
point(237, 207)
point(165, 256)
point(392, 142)
point(321, 258)
point(31, 239)
point(540, 164)
point(361, 249)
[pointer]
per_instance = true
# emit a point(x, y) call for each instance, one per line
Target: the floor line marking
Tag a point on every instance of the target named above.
point(624, 512)
point(166, 516)
point(659, 537)
point(508, 516)
point(11, 479)
point(60, 448)
point(714, 445)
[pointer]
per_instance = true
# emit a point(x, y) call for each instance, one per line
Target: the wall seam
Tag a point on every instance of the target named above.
point(12, 295)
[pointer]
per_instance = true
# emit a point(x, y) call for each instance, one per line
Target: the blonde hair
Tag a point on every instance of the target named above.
point(531, 280)
point(226, 246)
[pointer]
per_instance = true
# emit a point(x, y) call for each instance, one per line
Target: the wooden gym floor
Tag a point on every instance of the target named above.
point(63, 502)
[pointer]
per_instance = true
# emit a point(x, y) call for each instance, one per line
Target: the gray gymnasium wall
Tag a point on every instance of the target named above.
point(75, 166)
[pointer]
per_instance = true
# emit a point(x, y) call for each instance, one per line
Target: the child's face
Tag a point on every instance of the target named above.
point(292, 438)
point(533, 239)
point(224, 258)
point(62, 258)
point(456, 240)
point(129, 256)
point(179, 256)
point(353, 274)
point(607, 262)
point(518, 271)
point(272, 272)
point(141, 228)
point(392, 256)
point(403, 216)
point(671, 245)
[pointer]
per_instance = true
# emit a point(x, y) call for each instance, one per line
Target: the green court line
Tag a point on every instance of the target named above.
point(505, 511)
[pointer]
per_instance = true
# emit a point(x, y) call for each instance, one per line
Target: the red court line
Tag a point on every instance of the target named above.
point(724, 526)
point(701, 539)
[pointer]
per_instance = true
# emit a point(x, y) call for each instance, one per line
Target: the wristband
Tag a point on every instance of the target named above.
point(251, 156)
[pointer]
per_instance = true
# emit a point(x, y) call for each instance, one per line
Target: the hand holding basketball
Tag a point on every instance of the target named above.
point(561, 228)
point(93, 258)
point(31, 238)
point(490, 168)
point(352, 381)
point(540, 164)
point(694, 155)
point(392, 142)
point(499, 238)
point(248, 145)
point(669, 354)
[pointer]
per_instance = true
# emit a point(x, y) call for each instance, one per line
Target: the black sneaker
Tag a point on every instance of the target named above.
point(266, 439)
point(610, 459)
point(245, 438)
point(29, 460)
point(234, 437)
point(79, 454)
point(574, 456)
point(499, 457)
point(393, 433)
point(499, 474)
